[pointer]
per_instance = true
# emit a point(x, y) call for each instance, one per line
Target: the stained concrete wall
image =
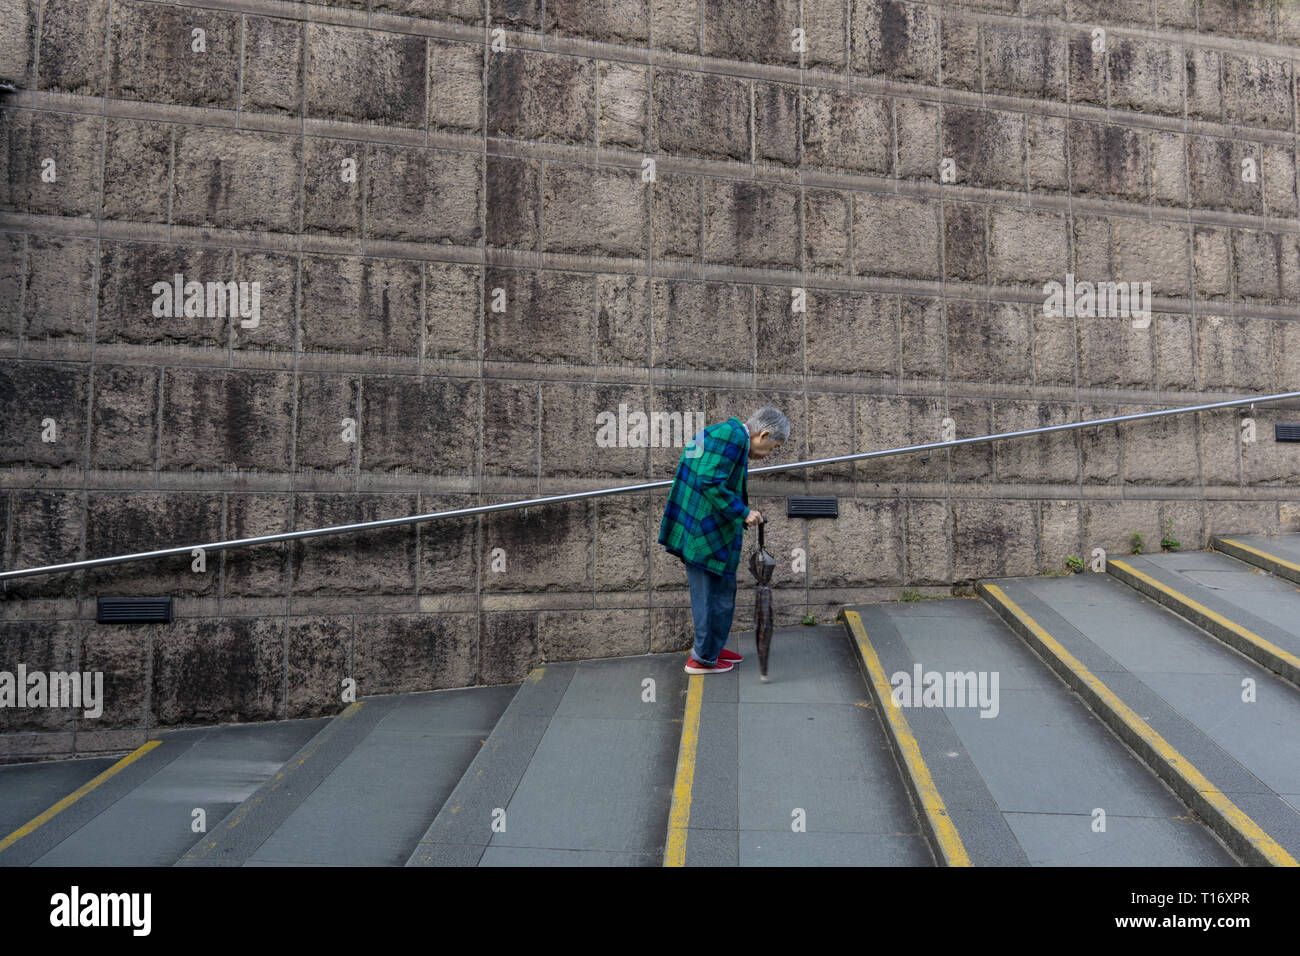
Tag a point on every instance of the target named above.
point(381, 171)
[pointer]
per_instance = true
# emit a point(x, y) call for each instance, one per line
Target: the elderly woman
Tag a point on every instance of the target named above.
point(705, 520)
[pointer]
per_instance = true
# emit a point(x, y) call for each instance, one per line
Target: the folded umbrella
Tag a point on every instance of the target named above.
point(762, 565)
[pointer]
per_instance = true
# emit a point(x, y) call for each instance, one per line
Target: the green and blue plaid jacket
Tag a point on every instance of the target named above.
point(704, 521)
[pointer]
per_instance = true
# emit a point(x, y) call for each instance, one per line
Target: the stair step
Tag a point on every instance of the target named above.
point(1021, 786)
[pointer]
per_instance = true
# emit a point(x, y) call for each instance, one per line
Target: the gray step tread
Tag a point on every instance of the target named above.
point(363, 790)
point(580, 764)
point(808, 739)
point(1022, 786)
point(1186, 685)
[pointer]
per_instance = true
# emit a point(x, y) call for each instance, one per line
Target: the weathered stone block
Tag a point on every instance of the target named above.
point(898, 40)
point(208, 670)
point(507, 646)
point(779, 339)
point(988, 146)
point(423, 195)
point(1051, 458)
point(929, 542)
point(860, 548)
point(965, 253)
point(1024, 60)
point(701, 114)
point(895, 235)
point(681, 340)
point(677, 216)
point(1204, 86)
point(274, 54)
point(594, 210)
point(376, 562)
point(319, 651)
point(125, 417)
point(44, 411)
point(588, 634)
point(1211, 261)
point(1113, 353)
point(676, 24)
point(59, 301)
point(1175, 358)
point(918, 138)
point(622, 551)
point(827, 230)
point(451, 310)
point(755, 33)
point(39, 646)
point(923, 336)
point(542, 549)
point(449, 547)
point(851, 333)
point(1027, 246)
point(121, 654)
point(992, 537)
point(276, 321)
point(156, 55)
point(959, 52)
point(831, 425)
point(847, 131)
point(583, 434)
point(455, 86)
point(1108, 160)
point(1215, 168)
point(1111, 525)
point(47, 529)
point(356, 305)
point(1146, 76)
point(548, 317)
point(1087, 70)
point(71, 44)
point(132, 522)
point(622, 320)
point(236, 180)
point(61, 148)
point(414, 426)
point(751, 224)
point(1278, 171)
point(1257, 91)
point(989, 342)
point(365, 76)
point(1045, 141)
point(1155, 252)
point(510, 415)
point(541, 96)
point(893, 421)
point(824, 23)
point(259, 571)
point(620, 21)
point(325, 441)
point(624, 94)
point(1060, 533)
point(223, 419)
point(1235, 354)
point(776, 123)
point(1161, 451)
point(137, 170)
point(1169, 168)
point(514, 204)
point(11, 283)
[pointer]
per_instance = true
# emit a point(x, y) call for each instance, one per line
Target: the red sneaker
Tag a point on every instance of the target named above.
point(726, 655)
point(695, 667)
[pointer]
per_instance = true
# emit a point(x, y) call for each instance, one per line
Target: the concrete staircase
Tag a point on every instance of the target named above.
point(1144, 716)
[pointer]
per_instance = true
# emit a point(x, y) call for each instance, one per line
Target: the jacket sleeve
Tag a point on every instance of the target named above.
point(716, 464)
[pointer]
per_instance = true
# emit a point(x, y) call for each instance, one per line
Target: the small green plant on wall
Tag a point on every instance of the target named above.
point(1169, 542)
point(1075, 564)
point(1138, 538)
point(809, 619)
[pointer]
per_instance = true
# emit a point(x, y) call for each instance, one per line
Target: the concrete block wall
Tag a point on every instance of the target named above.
point(463, 260)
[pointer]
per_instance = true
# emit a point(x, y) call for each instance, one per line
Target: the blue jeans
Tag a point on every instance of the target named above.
point(713, 604)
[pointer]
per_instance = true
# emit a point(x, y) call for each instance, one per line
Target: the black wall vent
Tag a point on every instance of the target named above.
point(806, 506)
point(129, 610)
point(1286, 432)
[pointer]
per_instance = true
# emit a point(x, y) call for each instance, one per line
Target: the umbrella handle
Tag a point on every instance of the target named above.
point(760, 533)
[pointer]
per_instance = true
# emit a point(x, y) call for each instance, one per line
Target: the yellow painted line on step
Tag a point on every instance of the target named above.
point(1233, 815)
point(1250, 636)
point(1290, 565)
point(76, 795)
point(679, 816)
point(932, 805)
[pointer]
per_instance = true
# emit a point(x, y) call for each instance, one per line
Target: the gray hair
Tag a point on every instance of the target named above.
point(769, 419)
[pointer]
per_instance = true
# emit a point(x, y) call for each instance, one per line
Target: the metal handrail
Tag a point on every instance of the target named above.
point(624, 489)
